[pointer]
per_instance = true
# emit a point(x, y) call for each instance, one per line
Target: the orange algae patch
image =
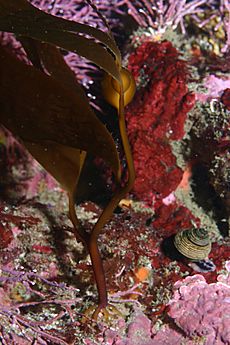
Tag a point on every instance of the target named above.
point(185, 181)
point(142, 274)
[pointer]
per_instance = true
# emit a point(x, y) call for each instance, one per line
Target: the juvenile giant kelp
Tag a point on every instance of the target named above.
point(47, 109)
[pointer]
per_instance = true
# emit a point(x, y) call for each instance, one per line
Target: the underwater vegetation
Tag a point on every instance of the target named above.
point(209, 309)
point(146, 238)
point(156, 117)
point(191, 310)
point(54, 121)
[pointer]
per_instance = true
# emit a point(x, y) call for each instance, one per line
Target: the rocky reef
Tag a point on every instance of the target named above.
point(178, 128)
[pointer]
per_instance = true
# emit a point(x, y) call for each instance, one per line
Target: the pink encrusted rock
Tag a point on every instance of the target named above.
point(169, 336)
point(216, 85)
point(202, 309)
point(139, 331)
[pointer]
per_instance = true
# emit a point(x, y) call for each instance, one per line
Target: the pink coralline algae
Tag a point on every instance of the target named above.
point(160, 15)
point(168, 336)
point(216, 85)
point(139, 331)
point(81, 11)
point(198, 314)
point(156, 116)
point(202, 309)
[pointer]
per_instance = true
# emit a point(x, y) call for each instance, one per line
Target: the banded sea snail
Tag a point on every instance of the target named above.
point(110, 88)
point(194, 244)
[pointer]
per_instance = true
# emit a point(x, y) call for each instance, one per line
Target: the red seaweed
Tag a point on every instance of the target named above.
point(156, 116)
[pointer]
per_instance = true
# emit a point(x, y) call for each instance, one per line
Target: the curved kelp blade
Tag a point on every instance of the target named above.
point(38, 108)
point(21, 18)
point(52, 62)
point(64, 163)
point(20, 9)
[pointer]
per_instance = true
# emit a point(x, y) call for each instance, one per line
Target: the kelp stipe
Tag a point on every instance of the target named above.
point(62, 127)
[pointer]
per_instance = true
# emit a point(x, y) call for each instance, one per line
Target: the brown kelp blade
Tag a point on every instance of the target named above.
point(38, 108)
point(54, 63)
point(64, 163)
point(22, 8)
point(22, 18)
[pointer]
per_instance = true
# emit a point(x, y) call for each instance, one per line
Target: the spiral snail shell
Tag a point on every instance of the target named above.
point(110, 88)
point(193, 243)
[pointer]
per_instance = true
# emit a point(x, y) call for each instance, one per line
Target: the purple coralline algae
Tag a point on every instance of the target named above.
point(160, 15)
point(202, 309)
